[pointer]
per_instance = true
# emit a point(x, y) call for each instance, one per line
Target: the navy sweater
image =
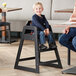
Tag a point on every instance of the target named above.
point(40, 22)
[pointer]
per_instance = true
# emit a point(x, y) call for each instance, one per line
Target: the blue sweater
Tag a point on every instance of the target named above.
point(40, 22)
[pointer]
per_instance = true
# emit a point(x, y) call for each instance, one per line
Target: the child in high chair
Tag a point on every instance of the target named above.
point(39, 20)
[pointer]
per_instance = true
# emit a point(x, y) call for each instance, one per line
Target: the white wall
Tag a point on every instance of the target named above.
point(27, 12)
point(26, 5)
point(18, 18)
point(62, 4)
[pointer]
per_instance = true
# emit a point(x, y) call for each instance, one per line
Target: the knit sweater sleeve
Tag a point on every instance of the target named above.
point(37, 23)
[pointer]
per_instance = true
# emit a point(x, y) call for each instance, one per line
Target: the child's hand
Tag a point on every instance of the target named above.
point(47, 31)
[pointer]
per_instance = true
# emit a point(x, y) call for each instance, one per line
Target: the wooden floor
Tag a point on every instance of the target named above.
point(8, 54)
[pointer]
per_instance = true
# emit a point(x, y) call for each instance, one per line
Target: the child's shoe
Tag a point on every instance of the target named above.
point(52, 45)
point(42, 47)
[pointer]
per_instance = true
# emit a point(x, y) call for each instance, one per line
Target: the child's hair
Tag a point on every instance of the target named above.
point(37, 3)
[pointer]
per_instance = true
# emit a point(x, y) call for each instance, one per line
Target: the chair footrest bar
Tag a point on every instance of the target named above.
point(51, 64)
point(26, 68)
point(48, 49)
point(23, 59)
point(47, 62)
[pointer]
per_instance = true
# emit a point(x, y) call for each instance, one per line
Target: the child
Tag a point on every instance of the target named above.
point(42, 25)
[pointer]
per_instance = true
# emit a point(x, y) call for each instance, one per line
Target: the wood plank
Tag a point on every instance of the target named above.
point(64, 11)
point(11, 9)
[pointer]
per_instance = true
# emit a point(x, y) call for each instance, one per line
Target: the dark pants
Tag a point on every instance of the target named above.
point(69, 40)
point(42, 38)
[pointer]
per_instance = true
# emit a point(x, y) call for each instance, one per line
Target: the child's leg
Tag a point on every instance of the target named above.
point(50, 39)
point(42, 37)
point(42, 40)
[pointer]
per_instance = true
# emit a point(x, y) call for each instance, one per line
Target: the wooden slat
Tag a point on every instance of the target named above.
point(64, 11)
point(11, 9)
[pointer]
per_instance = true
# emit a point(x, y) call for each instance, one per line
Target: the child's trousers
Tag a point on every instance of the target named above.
point(42, 38)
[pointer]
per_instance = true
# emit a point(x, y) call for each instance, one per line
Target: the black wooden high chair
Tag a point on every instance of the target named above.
point(34, 37)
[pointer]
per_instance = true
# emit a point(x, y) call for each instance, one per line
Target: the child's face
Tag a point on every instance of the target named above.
point(38, 9)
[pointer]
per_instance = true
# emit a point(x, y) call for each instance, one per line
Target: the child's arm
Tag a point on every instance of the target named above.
point(37, 23)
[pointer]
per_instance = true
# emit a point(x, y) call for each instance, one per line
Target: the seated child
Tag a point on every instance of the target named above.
point(42, 25)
